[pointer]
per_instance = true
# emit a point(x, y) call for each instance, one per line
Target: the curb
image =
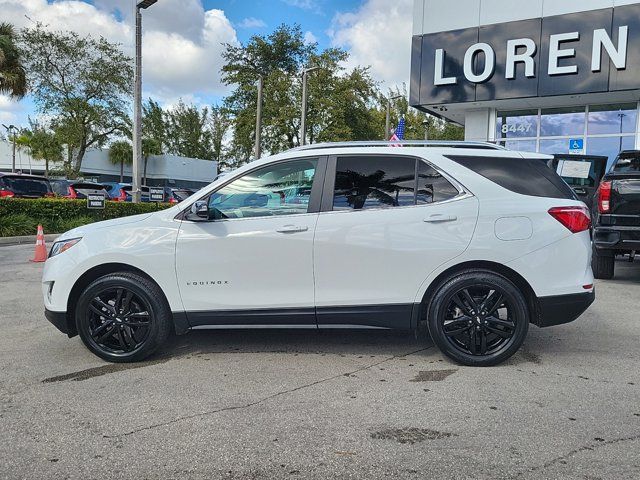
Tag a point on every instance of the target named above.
point(7, 241)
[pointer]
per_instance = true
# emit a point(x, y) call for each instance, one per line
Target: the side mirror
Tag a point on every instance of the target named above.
point(199, 212)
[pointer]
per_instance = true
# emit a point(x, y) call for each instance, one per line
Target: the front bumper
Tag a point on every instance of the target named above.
point(60, 321)
point(559, 309)
point(616, 238)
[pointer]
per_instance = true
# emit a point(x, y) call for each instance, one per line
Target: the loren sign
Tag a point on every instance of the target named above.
point(522, 50)
point(586, 52)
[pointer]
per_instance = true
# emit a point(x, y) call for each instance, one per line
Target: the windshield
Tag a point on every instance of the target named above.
point(627, 163)
point(27, 186)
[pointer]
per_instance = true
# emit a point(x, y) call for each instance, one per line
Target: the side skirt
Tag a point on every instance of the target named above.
point(394, 316)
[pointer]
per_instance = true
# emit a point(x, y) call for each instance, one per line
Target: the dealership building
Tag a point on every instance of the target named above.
point(547, 76)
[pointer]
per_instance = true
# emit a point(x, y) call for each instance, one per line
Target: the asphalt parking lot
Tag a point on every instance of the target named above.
point(265, 405)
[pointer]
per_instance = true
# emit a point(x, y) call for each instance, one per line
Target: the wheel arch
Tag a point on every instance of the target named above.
point(89, 276)
point(494, 267)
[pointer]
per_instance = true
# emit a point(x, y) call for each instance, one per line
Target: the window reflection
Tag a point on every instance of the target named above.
point(557, 122)
point(521, 123)
point(609, 147)
point(605, 119)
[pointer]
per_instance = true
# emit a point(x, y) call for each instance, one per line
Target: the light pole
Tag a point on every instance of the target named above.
point(621, 115)
point(425, 122)
point(303, 119)
point(9, 129)
point(137, 102)
point(387, 124)
point(257, 148)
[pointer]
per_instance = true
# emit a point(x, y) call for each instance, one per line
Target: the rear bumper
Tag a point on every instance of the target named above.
point(60, 321)
point(559, 309)
point(616, 238)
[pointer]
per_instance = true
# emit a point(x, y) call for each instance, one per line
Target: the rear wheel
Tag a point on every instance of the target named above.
point(478, 318)
point(123, 317)
point(603, 263)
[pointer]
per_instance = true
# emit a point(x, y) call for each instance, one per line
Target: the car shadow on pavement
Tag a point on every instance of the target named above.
point(334, 342)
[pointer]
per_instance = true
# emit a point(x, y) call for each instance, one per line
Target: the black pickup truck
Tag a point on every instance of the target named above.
point(616, 214)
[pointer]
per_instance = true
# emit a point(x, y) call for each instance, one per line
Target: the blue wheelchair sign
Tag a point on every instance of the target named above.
point(576, 145)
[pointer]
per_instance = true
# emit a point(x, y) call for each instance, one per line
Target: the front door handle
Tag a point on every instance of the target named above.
point(292, 229)
point(439, 218)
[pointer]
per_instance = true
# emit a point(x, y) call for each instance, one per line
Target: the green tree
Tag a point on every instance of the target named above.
point(150, 146)
point(13, 78)
point(43, 144)
point(219, 124)
point(85, 83)
point(154, 123)
point(121, 152)
point(187, 132)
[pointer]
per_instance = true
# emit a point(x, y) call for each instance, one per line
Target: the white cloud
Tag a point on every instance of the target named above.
point(311, 5)
point(9, 110)
point(310, 38)
point(377, 34)
point(182, 42)
point(252, 22)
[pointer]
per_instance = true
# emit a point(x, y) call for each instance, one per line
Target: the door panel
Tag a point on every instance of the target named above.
point(254, 263)
point(381, 257)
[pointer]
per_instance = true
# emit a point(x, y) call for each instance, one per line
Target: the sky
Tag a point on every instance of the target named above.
point(183, 39)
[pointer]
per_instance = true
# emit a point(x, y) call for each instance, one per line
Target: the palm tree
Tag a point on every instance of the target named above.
point(121, 152)
point(150, 146)
point(13, 78)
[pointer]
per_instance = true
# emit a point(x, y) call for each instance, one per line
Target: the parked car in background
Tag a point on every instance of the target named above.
point(176, 195)
point(117, 192)
point(467, 241)
point(583, 173)
point(617, 216)
point(77, 189)
point(14, 185)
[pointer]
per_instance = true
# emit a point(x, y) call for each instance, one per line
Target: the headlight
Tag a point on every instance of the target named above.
point(63, 246)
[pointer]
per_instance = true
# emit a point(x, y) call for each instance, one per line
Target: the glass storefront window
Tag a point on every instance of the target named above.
point(609, 146)
point(551, 146)
point(520, 145)
point(605, 119)
point(558, 122)
point(522, 123)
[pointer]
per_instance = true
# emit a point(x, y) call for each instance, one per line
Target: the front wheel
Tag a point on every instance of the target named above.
point(123, 317)
point(478, 318)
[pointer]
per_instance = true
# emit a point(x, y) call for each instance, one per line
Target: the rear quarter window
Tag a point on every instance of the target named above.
point(526, 176)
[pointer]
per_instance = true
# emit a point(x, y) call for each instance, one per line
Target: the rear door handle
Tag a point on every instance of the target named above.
point(439, 218)
point(292, 229)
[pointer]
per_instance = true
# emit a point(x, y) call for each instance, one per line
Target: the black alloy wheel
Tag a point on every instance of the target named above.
point(123, 317)
point(478, 318)
point(119, 320)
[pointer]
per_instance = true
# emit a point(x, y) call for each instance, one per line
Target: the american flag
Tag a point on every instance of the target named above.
point(398, 134)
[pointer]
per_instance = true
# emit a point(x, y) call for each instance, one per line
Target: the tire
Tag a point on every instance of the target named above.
point(123, 317)
point(603, 263)
point(457, 323)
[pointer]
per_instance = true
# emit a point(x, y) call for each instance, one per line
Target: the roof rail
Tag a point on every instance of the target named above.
point(403, 143)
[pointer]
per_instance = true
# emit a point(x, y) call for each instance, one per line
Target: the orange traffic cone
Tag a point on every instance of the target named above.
point(41, 247)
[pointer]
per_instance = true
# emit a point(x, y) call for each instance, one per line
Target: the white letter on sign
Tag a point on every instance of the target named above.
point(617, 55)
point(489, 62)
point(555, 53)
point(526, 57)
point(438, 79)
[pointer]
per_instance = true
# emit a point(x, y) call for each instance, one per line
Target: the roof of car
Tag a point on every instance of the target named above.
point(22, 175)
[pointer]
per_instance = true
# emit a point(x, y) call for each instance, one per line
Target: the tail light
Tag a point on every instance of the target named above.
point(122, 196)
point(6, 193)
point(172, 200)
point(71, 193)
point(604, 197)
point(576, 219)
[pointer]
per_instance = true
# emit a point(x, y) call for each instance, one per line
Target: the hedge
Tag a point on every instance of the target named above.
point(19, 216)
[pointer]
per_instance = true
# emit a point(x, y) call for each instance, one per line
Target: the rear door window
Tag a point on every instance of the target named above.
point(374, 182)
point(526, 176)
point(627, 163)
point(432, 186)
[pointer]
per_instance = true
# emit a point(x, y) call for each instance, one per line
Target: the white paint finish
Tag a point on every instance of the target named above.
point(263, 268)
point(526, 57)
point(446, 15)
point(489, 63)
point(418, 16)
point(617, 3)
point(438, 78)
point(616, 53)
point(501, 11)
point(477, 124)
point(561, 7)
point(513, 228)
point(560, 47)
point(361, 257)
point(381, 256)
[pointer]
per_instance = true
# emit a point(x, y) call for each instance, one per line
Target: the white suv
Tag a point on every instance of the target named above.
point(469, 242)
